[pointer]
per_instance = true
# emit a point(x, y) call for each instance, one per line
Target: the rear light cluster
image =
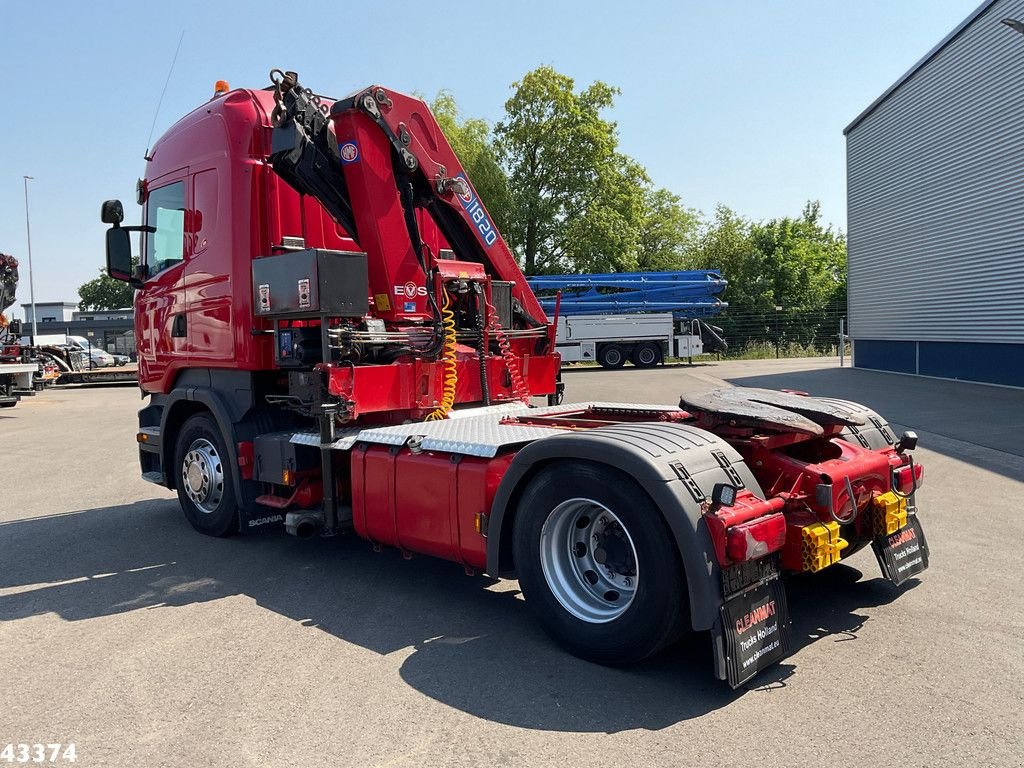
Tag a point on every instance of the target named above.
point(752, 541)
point(908, 478)
point(747, 530)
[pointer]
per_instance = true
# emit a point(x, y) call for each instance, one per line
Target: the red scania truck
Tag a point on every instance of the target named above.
point(333, 335)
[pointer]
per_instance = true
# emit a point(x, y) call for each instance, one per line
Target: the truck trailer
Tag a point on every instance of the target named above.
point(333, 335)
point(645, 339)
point(641, 317)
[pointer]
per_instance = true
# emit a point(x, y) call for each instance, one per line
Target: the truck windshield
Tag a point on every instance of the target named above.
point(166, 212)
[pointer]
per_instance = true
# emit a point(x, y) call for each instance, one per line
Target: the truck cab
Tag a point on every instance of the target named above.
point(206, 215)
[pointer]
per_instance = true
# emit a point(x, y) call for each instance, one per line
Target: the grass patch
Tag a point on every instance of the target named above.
point(764, 350)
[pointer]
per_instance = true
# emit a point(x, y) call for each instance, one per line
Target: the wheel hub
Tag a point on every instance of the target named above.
point(588, 560)
point(613, 551)
point(202, 474)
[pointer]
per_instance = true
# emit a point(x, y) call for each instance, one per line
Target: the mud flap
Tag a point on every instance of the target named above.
point(904, 554)
point(752, 632)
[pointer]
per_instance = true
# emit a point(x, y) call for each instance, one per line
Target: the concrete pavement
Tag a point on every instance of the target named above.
point(146, 644)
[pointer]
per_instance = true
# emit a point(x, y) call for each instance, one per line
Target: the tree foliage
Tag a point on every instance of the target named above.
point(104, 292)
point(471, 140)
point(669, 232)
point(558, 188)
point(567, 200)
point(576, 202)
point(804, 259)
point(794, 263)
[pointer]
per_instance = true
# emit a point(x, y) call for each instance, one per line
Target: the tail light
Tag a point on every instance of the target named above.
point(908, 478)
point(753, 540)
point(749, 529)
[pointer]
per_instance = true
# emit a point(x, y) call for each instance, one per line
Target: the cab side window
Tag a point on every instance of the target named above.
point(165, 210)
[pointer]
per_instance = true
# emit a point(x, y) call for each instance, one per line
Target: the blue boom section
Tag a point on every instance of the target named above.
point(688, 293)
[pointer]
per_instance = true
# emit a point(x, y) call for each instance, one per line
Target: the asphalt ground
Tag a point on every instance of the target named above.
point(146, 644)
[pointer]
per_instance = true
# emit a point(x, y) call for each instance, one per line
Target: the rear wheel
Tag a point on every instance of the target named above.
point(646, 355)
point(597, 564)
point(611, 356)
point(203, 478)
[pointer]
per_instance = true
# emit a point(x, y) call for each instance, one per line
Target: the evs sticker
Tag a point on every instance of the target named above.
point(349, 152)
point(477, 213)
point(410, 290)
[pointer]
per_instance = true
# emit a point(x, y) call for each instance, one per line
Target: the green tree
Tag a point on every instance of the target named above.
point(104, 292)
point(576, 203)
point(471, 140)
point(804, 259)
point(725, 244)
point(796, 263)
point(668, 232)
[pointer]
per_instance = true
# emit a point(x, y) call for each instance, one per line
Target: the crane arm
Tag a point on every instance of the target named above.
point(374, 159)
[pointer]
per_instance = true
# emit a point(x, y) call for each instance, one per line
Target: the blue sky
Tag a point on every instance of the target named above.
point(734, 102)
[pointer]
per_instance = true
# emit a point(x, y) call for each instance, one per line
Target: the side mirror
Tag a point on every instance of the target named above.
point(112, 212)
point(119, 253)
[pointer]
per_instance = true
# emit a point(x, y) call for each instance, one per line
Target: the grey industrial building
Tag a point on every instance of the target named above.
point(935, 183)
point(109, 329)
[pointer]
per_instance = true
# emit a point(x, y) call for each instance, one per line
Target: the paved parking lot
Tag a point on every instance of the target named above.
point(146, 644)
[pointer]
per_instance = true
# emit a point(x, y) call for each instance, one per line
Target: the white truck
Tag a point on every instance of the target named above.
point(15, 378)
point(645, 339)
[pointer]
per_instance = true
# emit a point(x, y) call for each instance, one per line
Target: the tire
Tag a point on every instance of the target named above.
point(611, 356)
point(646, 355)
point(203, 478)
point(595, 616)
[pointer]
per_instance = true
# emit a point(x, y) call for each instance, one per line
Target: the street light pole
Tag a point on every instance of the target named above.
point(31, 286)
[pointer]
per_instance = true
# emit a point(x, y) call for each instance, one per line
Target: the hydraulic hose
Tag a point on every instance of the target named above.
point(481, 324)
point(511, 361)
point(448, 359)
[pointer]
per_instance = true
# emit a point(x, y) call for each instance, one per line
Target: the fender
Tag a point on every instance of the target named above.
point(216, 406)
point(677, 465)
point(208, 388)
point(874, 435)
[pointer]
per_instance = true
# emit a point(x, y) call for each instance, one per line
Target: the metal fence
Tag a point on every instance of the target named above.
point(782, 332)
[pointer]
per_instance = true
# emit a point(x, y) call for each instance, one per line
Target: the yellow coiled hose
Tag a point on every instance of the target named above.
point(451, 376)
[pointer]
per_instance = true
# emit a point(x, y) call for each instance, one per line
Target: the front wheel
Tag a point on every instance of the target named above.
point(203, 478)
point(597, 564)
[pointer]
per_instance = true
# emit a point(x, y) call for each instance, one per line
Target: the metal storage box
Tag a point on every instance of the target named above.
point(311, 282)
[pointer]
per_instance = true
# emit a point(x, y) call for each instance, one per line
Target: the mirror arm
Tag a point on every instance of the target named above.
point(143, 228)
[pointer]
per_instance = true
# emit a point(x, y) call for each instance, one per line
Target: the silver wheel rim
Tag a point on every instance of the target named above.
point(588, 560)
point(646, 355)
point(613, 356)
point(202, 475)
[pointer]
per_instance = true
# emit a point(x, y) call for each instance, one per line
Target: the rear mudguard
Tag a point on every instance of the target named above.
point(874, 435)
point(678, 466)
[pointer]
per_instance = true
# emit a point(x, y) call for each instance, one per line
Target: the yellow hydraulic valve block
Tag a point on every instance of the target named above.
point(821, 545)
point(888, 514)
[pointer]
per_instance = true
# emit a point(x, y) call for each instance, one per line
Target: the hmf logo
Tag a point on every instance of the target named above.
point(477, 213)
point(349, 152)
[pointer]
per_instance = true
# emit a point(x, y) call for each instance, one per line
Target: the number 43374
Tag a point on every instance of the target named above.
point(38, 753)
